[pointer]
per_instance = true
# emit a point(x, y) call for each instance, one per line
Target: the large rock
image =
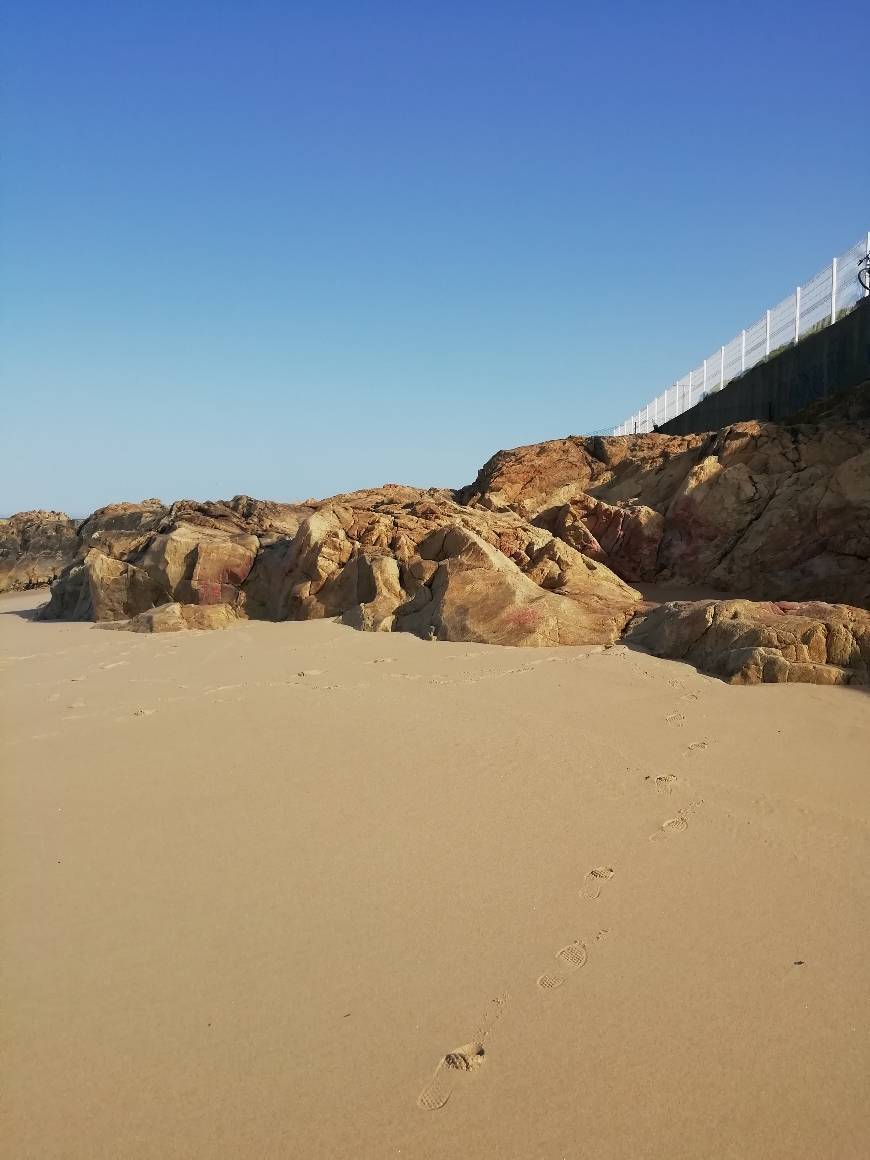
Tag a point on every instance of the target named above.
point(200, 564)
point(122, 529)
point(104, 589)
point(774, 512)
point(370, 559)
point(747, 643)
point(478, 594)
point(174, 617)
point(781, 513)
point(625, 536)
point(538, 479)
point(312, 574)
point(35, 547)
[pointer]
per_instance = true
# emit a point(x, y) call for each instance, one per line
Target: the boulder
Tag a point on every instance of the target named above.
point(625, 536)
point(122, 529)
point(747, 643)
point(104, 589)
point(478, 594)
point(35, 547)
point(199, 564)
point(175, 617)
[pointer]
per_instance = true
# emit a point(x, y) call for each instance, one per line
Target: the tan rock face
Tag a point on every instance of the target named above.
point(384, 566)
point(122, 529)
point(102, 588)
point(478, 594)
point(199, 564)
point(747, 643)
point(757, 509)
point(542, 477)
point(35, 547)
point(624, 536)
point(541, 548)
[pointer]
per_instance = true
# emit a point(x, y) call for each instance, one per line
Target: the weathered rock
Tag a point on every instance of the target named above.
point(380, 592)
point(175, 617)
point(364, 559)
point(478, 594)
point(102, 588)
point(542, 477)
point(762, 510)
point(624, 536)
point(747, 643)
point(121, 529)
point(776, 512)
point(199, 564)
point(35, 547)
point(305, 577)
point(757, 509)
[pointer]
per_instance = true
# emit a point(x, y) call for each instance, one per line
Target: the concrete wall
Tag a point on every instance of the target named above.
point(822, 364)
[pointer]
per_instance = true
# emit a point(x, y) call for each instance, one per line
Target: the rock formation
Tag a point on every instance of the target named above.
point(747, 643)
point(35, 547)
point(541, 549)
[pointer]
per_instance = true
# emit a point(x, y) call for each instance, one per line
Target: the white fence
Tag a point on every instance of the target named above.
point(832, 293)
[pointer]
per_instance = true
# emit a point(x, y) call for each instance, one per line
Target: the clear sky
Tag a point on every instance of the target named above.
point(294, 247)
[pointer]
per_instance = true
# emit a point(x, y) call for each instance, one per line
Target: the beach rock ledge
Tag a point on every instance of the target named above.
point(544, 548)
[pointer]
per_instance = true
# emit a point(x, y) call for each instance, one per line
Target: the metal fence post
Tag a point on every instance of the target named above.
point(742, 351)
point(834, 290)
point(867, 254)
point(797, 315)
point(721, 368)
point(704, 387)
point(767, 335)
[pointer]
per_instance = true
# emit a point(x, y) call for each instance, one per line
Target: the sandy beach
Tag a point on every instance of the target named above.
point(293, 890)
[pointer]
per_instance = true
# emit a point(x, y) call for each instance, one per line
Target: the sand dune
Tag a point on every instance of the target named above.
point(292, 890)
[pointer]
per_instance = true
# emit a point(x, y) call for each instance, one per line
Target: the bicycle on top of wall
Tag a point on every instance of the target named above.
point(864, 272)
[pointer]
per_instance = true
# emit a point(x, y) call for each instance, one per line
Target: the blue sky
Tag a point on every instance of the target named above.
point(293, 248)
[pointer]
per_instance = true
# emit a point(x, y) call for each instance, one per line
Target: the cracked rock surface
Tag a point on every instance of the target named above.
point(542, 549)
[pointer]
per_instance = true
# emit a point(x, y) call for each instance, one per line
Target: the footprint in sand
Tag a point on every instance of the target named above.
point(572, 958)
point(676, 719)
point(672, 826)
point(665, 783)
point(453, 1066)
point(696, 745)
point(677, 825)
point(448, 1073)
point(594, 881)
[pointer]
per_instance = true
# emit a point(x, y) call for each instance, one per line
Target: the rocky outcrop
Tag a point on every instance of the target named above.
point(121, 529)
point(477, 594)
point(35, 547)
point(537, 480)
point(388, 558)
point(756, 509)
point(749, 643)
point(102, 588)
point(377, 563)
point(543, 548)
point(626, 536)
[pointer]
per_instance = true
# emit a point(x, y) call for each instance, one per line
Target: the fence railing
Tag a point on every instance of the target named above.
point(832, 293)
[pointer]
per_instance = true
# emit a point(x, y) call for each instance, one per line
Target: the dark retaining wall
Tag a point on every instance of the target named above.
point(822, 364)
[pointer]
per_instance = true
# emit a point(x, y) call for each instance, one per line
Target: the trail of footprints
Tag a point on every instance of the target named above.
point(457, 1065)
